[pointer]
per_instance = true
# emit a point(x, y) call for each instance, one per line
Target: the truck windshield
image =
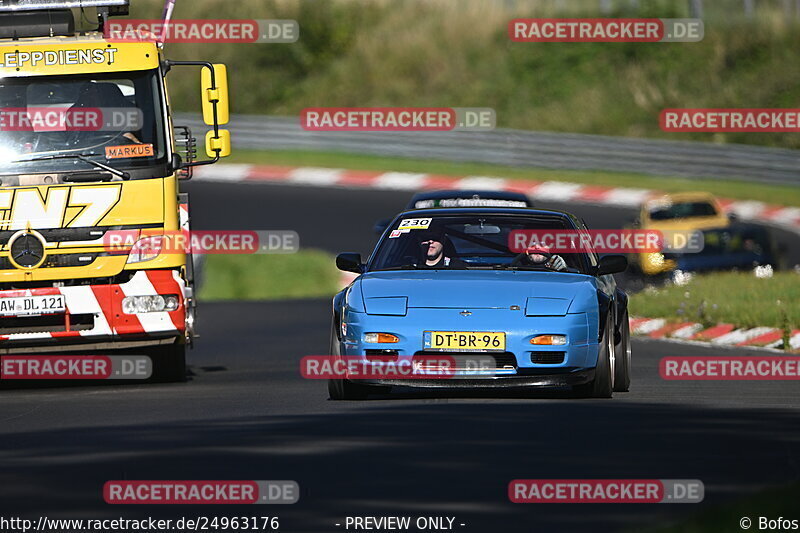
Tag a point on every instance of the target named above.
point(114, 119)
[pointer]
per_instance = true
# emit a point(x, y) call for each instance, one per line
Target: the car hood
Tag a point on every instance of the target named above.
point(551, 292)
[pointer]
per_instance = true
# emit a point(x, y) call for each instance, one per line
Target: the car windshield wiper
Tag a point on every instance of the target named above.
point(83, 157)
point(401, 267)
point(523, 267)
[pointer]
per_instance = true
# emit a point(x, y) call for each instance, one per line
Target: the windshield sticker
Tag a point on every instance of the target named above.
point(397, 232)
point(414, 223)
point(129, 150)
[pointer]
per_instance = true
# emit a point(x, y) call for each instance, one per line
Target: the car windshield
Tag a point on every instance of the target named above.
point(52, 124)
point(683, 210)
point(466, 242)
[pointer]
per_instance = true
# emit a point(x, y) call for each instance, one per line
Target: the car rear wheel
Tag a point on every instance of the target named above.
point(622, 356)
point(602, 386)
point(342, 389)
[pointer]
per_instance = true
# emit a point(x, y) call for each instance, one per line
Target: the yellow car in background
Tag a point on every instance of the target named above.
point(681, 212)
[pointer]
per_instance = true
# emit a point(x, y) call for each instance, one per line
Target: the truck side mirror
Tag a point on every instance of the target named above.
point(219, 145)
point(214, 85)
point(214, 98)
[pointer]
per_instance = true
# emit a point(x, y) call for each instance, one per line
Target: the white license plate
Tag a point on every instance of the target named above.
point(33, 305)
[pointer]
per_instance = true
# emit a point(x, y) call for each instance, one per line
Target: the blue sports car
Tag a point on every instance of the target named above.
point(447, 282)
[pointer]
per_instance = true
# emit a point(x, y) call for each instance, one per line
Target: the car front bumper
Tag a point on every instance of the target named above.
point(575, 361)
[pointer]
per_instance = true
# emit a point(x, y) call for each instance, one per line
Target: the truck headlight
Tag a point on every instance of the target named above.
point(146, 249)
point(157, 303)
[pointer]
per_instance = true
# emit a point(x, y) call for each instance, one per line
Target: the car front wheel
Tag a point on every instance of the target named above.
point(602, 386)
point(342, 389)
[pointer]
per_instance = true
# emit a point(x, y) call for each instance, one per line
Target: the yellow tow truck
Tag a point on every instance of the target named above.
point(88, 149)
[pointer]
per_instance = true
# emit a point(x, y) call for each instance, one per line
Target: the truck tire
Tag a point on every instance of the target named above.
point(169, 363)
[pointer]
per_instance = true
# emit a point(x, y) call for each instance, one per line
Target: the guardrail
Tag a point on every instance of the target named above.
point(564, 151)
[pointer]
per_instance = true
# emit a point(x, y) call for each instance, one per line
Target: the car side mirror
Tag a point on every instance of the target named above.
point(350, 262)
point(612, 264)
point(380, 226)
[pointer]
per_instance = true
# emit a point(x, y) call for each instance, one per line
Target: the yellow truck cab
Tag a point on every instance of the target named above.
point(67, 183)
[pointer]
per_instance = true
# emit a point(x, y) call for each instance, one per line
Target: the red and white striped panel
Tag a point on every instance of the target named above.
point(183, 217)
point(720, 334)
point(105, 302)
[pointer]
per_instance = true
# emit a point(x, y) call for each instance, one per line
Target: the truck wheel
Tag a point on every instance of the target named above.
point(602, 386)
point(622, 352)
point(341, 389)
point(169, 363)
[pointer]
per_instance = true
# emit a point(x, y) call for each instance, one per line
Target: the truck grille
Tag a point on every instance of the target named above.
point(59, 260)
point(46, 323)
point(123, 277)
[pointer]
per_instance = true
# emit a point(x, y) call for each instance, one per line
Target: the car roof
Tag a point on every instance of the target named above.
point(469, 193)
point(511, 211)
point(683, 197)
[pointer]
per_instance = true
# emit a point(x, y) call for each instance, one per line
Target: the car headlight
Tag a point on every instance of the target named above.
point(549, 340)
point(146, 249)
point(382, 338)
point(656, 259)
point(157, 303)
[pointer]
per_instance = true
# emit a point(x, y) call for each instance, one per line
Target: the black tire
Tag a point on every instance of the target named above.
point(622, 353)
point(169, 363)
point(342, 389)
point(602, 384)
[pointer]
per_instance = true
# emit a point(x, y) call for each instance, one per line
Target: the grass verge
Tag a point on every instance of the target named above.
point(741, 190)
point(306, 274)
point(732, 297)
point(771, 504)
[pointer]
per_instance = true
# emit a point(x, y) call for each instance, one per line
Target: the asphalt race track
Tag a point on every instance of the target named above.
point(247, 414)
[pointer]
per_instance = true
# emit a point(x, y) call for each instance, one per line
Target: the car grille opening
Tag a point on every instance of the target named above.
point(381, 356)
point(503, 360)
point(547, 358)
